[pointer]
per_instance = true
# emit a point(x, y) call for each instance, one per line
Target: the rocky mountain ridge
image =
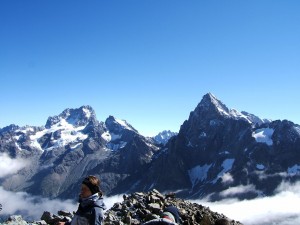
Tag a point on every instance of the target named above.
point(222, 153)
point(164, 136)
point(217, 151)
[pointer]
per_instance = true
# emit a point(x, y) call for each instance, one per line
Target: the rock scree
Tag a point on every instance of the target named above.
point(140, 207)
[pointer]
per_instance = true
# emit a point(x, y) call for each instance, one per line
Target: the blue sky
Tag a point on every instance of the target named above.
point(148, 61)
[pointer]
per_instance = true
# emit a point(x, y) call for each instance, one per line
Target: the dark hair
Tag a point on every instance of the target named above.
point(93, 184)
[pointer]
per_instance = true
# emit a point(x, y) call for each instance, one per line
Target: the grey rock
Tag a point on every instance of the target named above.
point(191, 213)
point(15, 220)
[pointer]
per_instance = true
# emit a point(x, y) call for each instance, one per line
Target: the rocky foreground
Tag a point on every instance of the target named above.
point(140, 207)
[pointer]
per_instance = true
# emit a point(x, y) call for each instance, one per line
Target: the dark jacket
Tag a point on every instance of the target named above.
point(160, 221)
point(90, 211)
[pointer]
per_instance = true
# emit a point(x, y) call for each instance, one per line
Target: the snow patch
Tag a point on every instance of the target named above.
point(69, 134)
point(219, 106)
point(297, 128)
point(115, 147)
point(264, 135)
point(115, 136)
point(198, 173)
point(106, 136)
point(202, 135)
point(87, 112)
point(76, 145)
point(152, 146)
point(18, 146)
point(123, 124)
point(260, 166)
point(236, 114)
point(226, 165)
point(25, 130)
point(294, 170)
point(224, 153)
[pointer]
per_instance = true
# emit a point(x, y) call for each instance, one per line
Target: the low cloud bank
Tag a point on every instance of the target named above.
point(281, 209)
point(10, 166)
point(29, 206)
point(110, 201)
point(32, 207)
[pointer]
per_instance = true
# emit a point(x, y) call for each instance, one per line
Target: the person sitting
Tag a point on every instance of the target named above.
point(170, 216)
point(91, 206)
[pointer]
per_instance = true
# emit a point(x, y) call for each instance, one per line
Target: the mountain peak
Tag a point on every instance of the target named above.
point(212, 106)
point(164, 136)
point(76, 117)
point(116, 125)
point(209, 102)
point(11, 127)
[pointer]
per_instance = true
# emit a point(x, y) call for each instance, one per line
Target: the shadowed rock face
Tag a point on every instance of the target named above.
point(217, 149)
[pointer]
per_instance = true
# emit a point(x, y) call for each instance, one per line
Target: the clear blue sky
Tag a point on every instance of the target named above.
point(148, 61)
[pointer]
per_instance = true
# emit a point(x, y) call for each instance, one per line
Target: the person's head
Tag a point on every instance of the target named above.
point(89, 186)
point(171, 213)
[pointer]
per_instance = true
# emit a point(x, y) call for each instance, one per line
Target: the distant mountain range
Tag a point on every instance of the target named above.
point(218, 153)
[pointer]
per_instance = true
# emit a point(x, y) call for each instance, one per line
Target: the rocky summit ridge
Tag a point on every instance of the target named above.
point(139, 207)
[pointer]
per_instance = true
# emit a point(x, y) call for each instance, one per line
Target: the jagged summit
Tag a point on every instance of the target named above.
point(76, 117)
point(164, 136)
point(11, 127)
point(255, 119)
point(211, 106)
point(210, 103)
point(115, 125)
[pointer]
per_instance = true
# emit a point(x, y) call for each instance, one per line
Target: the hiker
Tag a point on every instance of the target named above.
point(170, 216)
point(91, 206)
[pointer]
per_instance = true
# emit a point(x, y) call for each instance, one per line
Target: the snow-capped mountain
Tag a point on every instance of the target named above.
point(218, 152)
point(70, 146)
point(119, 133)
point(164, 136)
point(222, 153)
point(75, 117)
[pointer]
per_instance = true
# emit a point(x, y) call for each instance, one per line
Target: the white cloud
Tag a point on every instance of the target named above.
point(288, 187)
point(10, 166)
point(237, 190)
point(262, 175)
point(110, 201)
point(227, 178)
point(281, 209)
point(31, 207)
